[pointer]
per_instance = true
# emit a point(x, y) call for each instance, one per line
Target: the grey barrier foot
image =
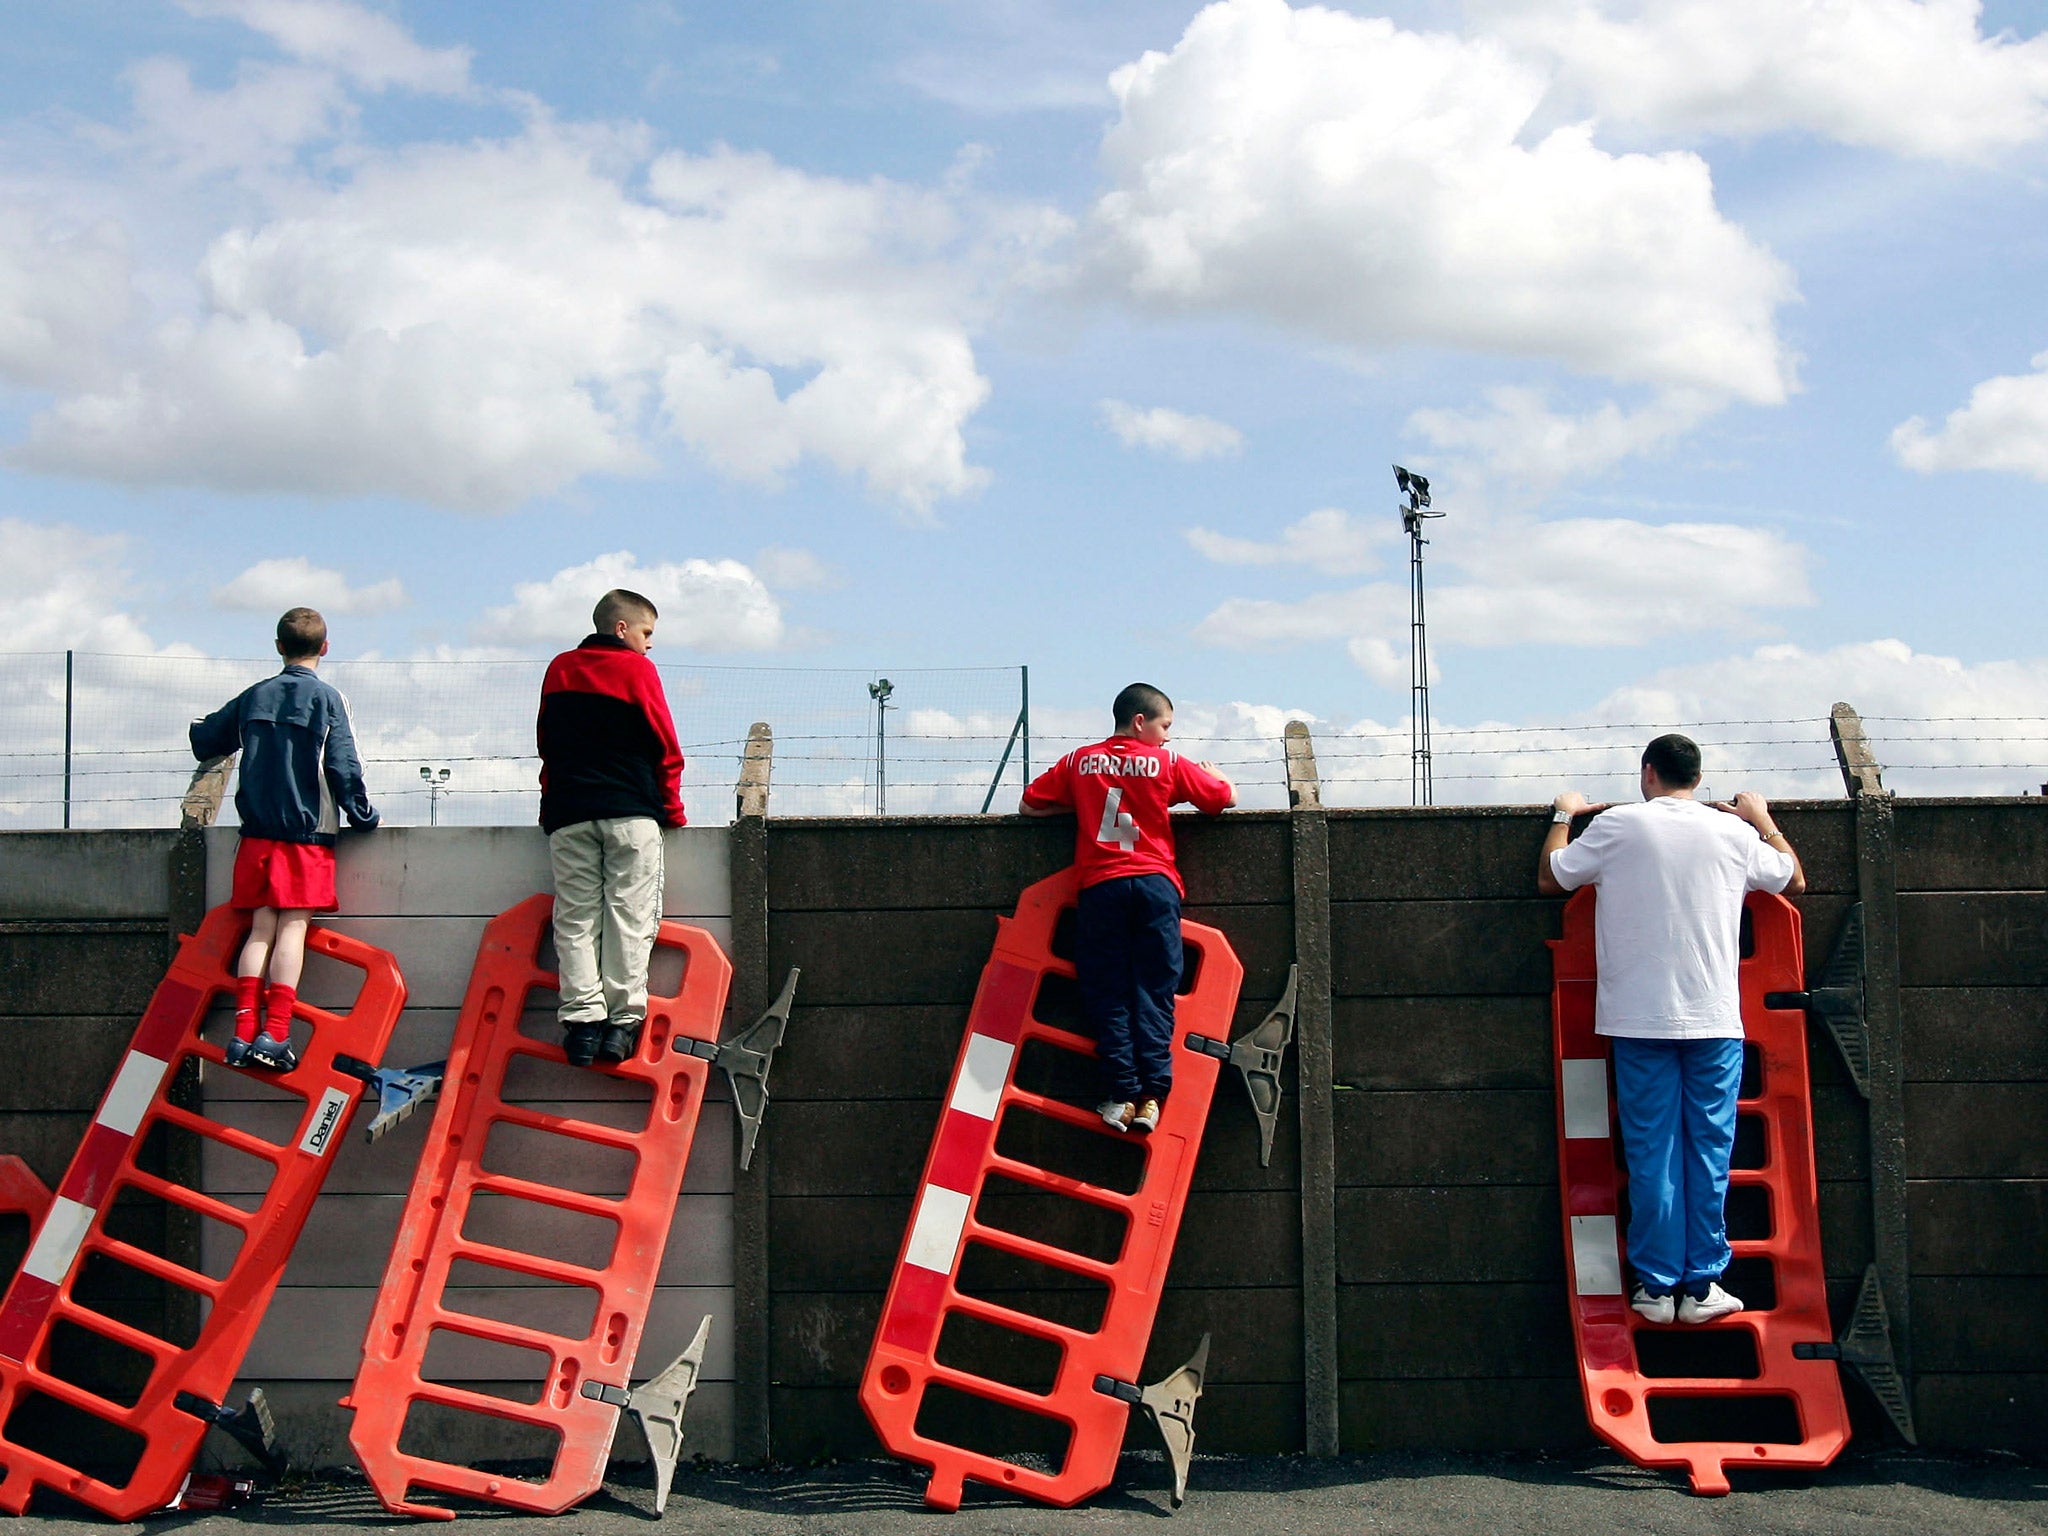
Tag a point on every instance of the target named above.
point(745, 1060)
point(251, 1426)
point(1170, 1403)
point(1865, 1346)
point(1837, 1002)
point(1257, 1054)
point(398, 1090)
point(657, 1407)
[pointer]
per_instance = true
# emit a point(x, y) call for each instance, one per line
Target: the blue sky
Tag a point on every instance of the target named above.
point(941, 334)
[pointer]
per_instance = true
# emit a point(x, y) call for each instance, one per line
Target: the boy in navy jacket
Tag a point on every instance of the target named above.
point(299, 772)
point(610, 780)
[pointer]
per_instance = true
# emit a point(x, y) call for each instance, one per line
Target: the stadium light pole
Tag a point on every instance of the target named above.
point(437, 786)
point(879, 692)
point(1421, 788)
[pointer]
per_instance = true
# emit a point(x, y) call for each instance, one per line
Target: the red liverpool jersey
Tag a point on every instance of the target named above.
point(1120, 790)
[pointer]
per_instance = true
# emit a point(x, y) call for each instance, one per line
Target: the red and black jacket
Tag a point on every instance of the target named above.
point(607, 742)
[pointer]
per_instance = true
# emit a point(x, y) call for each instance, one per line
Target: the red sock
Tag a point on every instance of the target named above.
point(246, 988)
point(277, 1011)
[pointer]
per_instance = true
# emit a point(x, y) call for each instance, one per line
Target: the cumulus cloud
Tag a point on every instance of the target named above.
point(258, 122)
point(296, 582)
point(1164, 430)
point(1571, 581)
point(1329, 540)
point(1518, 441)
point(1912, 77)
point(2003, 426)
point(478, 324)
point(64, 293)
point(371, 49)
point(63, 589)
point(706, 605)
point(1375, 187)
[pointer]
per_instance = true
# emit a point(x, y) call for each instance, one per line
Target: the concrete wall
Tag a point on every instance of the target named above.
point(1452, 1328)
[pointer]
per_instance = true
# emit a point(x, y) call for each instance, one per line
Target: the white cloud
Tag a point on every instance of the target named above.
point(1376, 187)
point(64, 293)
point(2004, 426)
point(1169, 431)
point(295, 581)
point(371, 49)
point(476, 325)
point(62, 590)
point(259, 122)
point(1571, 581)
point(1913, 77)
point(706, 605)
point(1329, 540)
point(1518, 441)
point(794, 570)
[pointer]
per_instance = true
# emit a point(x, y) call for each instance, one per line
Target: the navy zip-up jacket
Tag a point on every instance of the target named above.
point(299, 764)
point(607, 741)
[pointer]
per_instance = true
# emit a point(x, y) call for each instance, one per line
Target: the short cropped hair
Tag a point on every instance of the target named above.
point(620, 604)
point(1675, 759)
point(301, 632)
point(1139, 699)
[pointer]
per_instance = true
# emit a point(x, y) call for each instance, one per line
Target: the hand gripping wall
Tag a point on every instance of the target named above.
point(1092, 1387)
point(1745, 1391)
point(585, 1380)
point(165, 1422)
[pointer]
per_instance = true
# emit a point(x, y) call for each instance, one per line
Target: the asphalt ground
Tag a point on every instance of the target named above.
point(1894, 1494)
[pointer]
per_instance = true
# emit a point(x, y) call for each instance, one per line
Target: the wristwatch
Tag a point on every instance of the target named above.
point(1560, 818)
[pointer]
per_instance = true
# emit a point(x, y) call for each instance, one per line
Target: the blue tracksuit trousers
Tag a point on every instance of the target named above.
point(1676, 1103)
point(1127, 962)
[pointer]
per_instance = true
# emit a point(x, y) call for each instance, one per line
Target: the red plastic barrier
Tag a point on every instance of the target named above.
point(73, 1232)
point(586, 1377)
point(925, 1289)
point(1796, 1403)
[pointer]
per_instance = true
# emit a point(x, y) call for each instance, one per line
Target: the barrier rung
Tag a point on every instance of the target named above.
point(566, 1125)
point(227, 1135)
point(191, 1200)
point(606, 1206)
point(539, 1340)
point(151, 1264)
point(1020, 1322)
point(1058, 1109)
point(75, 1396)
point(1028, 1248)
point(1061, 1184)
point(446, 1396)
point(996, 1391)
point(524, 1263)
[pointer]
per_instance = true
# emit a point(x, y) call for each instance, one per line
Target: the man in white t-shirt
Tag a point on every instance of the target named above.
point(1672, 874)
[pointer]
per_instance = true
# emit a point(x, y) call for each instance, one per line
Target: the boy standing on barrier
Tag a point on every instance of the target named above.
point(1672, 874)
point(299, 769)
point(611, 776)
point(1127, 956)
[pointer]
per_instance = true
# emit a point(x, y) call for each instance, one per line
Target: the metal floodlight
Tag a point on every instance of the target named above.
point(1421, 785)
point(1414, 487)
point(879, 692)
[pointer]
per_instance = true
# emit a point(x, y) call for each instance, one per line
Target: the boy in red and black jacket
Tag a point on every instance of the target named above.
point(610, 780)
point(1127, 956)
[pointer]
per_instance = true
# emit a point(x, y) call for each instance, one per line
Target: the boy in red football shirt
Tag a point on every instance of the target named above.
point(1127, 957)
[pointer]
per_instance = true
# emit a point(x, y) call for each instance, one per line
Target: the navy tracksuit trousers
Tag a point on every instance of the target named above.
point(1127, 962)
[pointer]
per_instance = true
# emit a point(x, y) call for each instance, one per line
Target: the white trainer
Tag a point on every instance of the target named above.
point(1116, 1114)
point(1710, 1308)
point(1653, 1309)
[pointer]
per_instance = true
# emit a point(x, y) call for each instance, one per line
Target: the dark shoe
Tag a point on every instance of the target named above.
point(618, 1043)
point(236, 1052)
point(272, 1054)
point(580, 1044)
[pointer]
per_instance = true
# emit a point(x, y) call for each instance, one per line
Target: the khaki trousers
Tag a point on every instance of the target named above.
point(608, 880)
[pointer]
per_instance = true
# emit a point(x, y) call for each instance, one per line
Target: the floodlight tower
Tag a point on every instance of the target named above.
point(879, 692)
point(1421, 791)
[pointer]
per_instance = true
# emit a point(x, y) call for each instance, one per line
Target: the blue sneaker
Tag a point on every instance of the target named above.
point(273, 1054)
point(237, 1052)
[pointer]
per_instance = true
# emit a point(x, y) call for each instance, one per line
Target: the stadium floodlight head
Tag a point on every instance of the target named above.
point(1414, 487)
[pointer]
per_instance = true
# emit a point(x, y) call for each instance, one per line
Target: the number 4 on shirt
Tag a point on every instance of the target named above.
point(1117, 827)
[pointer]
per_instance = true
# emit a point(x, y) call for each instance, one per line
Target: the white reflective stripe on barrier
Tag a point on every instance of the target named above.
point(982, 1075)
point(1584, 1080)
point(935, 1237)
point(134, 1087)
point(1596, 1256)
point(57, 1241)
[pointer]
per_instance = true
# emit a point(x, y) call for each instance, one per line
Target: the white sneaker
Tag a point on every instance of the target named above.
point(1653, 1309)
point(1711, 1308)
point(1116, 1114)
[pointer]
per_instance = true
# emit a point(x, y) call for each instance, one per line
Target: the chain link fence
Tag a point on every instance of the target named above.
point(100, 741)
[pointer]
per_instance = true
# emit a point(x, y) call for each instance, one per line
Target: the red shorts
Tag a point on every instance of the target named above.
point(283, 875)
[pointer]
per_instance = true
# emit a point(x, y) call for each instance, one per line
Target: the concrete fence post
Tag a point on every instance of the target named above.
point(1315, 1071)
point(752, 992)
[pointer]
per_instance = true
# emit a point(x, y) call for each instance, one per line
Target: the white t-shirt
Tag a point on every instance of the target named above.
point(1671, 874)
